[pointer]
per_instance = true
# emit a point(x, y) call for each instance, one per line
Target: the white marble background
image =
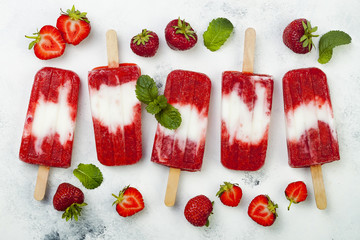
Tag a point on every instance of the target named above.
point(22, 217)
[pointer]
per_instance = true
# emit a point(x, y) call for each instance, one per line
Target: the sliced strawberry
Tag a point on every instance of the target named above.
point(48, 43)
point(296, 192)
point(230, 194)
point(73, 25)
point(262, 210)
point(129, 202)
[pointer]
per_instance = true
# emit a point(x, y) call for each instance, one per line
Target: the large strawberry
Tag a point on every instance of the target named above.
point(179, 35)
point(262, 210)
point(73, 25)
point(129, 202)
point(230, 194)
point(145, 44)
point(298, 36)
point(198, 210)
point(296, 192)
point(70, 199)
point(48, 43)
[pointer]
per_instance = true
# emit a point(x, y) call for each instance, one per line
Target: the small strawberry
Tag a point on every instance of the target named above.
point(296, 192)
point(145, 44)
point(73, 25)
point(70, 199)
point(262, 210)
point(198, 210)
point(129, 202)
point(230, 194)
point(298, 36)
point(179, 35)
point(48, 43)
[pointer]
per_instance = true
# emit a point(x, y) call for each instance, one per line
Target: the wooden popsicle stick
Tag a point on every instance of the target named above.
point(41, 182)
point(172, 186)
point(319, 187)
point(249, 50)
point(112, 49)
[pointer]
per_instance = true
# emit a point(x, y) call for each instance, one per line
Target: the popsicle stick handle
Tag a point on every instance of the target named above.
point(112, 49)
point(172, 186)
point(41, 182)
point(249, 50)
point(319, 187)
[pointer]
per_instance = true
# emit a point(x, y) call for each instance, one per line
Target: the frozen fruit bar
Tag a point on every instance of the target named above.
point(183, 148)
point(245, 118)
point(311, 134)
point(50, 120)
point(116, 114)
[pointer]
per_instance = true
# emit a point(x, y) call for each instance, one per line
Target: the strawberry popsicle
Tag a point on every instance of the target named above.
point(246, 108)
point(116, 112)
point(245, 113)
point(50, 121)
point(311, 135)
point(183, 148)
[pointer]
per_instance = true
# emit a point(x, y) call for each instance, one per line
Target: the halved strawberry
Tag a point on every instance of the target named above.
point(129, 202)
point(262, 210)
point(48, 43)
point(230, 194)
point(296, 192)
point(73, 25)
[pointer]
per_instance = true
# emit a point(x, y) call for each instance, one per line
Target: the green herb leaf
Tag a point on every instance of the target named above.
point(169, 117)
point(217, 33)
point(146, 90)
point(157, 105)
point(330, 40)
point(89, 175)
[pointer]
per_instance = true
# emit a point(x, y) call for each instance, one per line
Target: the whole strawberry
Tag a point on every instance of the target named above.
point(48, 43)
point(262, 210)
point(73, 25)
point(230, 194)
point(129, 202)
point(198, 210)
point(145, 44)
point(179, 35)
point(70, 199)
point(296, 192)
point(298, 36)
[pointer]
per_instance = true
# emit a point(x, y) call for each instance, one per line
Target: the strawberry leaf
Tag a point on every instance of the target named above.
point(330, 40)
point(217, 33)
point(89, 175)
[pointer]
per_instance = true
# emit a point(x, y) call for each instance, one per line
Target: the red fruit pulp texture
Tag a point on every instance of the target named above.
point(318, 144)
point(51, 44)
point(73, 31)
point(50, 152)
point(183, 88)
point(125, 146)
point(238, 154)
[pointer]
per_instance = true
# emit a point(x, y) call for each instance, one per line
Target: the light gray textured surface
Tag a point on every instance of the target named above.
point(22, 217)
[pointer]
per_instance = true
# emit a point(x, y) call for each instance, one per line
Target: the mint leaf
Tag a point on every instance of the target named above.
point(169, 117)
point(146, 90)
point(157, 105)
point(89, 175)
point(217, 33)
point(330, 40)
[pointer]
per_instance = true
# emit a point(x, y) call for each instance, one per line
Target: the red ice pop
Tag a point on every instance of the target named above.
point(245, 116)
point(183, 148)
point(116, 111)
point(50, 122)
point(311, 135)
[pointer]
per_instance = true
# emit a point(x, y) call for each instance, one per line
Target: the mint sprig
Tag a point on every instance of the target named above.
point(147, 92)
point(330, 40)
point(89, 175)
point(217, 33)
